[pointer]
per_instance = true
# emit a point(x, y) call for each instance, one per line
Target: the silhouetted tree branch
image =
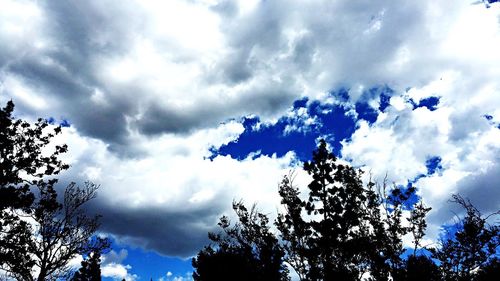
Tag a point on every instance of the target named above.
point(473, 247)
point(39, 234)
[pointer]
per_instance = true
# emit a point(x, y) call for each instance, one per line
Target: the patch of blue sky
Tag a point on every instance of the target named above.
point(62, 123)
point(433, 165)
point(491, 121)
point(448, 231)
point(430, 103)
point(366, 112)
point(413, 197)
point(51, 120)
point(307, 121)
point(341, 95)
point(489, 2)
point(364, 107)
point(385, 101)
point(298, 132)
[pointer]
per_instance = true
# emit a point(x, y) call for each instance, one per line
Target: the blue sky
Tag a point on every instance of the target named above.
point(177, 108)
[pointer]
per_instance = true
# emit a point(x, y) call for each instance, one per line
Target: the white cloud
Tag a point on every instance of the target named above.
point(170, 277)
point(402, 140)
point(112, 266)
point(118, 272)
point(114, 257)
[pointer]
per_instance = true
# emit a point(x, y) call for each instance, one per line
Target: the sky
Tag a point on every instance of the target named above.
point(177, 108)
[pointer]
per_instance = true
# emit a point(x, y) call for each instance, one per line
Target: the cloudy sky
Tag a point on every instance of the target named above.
point(178, 107)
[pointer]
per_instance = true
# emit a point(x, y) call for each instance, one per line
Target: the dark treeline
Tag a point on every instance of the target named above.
point(341, 230)
point(346, 231)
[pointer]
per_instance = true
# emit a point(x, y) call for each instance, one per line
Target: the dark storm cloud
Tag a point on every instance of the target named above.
point(272, 43)
point(265, 99)
point(79, 33)
point(483, 189)
point(374, 30)
point(169, 232)
point(73, 97)
point(83, 34)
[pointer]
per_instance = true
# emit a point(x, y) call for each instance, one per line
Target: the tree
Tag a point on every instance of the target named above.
point(343, 229)
point(38, 232)
point(417, 268)
point(22, 166)
point(57, 233)
point(246, 250)
point(90, 269)
point(490, 271)
point(63, 230)
point(294, 230)
point(418, 225)
point(472, 249)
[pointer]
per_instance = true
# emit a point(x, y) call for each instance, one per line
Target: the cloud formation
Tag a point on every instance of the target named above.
point(112, 267)
point(149, 87)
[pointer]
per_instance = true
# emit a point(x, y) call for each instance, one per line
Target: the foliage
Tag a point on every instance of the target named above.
point(22, 162)
point(418, 224)
point(246, 250)
point(489, 271)
point(90, 269)
point(472, 248)
point(417, 268)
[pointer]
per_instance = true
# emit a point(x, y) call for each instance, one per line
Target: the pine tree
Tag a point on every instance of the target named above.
point(90, 269)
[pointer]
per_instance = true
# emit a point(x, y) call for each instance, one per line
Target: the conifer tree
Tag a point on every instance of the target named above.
point(90, 269)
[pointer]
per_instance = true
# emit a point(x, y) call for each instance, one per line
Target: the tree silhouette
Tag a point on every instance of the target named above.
point(244, 251)
point(22, 166)
point(90, 269)
point(343, 229)
point(472, 248)
point(418, 224)
point(417, 268)
point(64, 228)
point(38, 232)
